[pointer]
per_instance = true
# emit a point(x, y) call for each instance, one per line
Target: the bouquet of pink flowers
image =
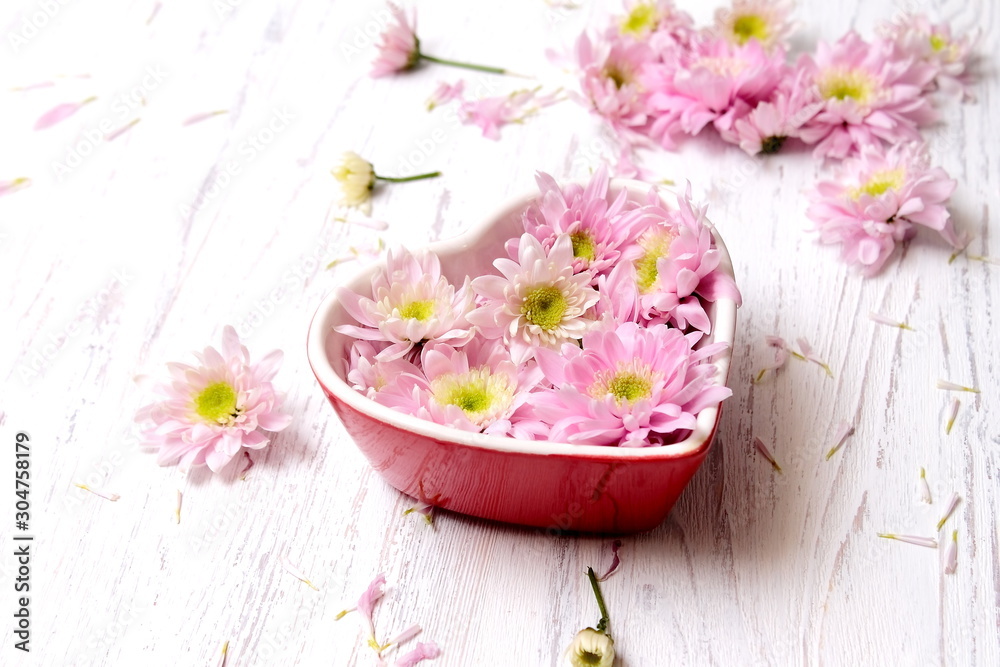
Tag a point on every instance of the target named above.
point(589, 332)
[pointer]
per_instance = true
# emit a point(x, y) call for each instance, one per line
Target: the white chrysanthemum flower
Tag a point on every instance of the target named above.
point(591, 648)
point(538, 302)
point(357, 178)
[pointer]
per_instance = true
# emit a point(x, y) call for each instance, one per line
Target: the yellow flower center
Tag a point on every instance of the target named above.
point(841, 83)
point(417, 310)
point(656, 244)
point(583, 246)
point(481, 395)
point(640, 20)
point(544, 307)
point(216, 402)
point(938, 42)
point(749, 26)
point(628, 383)
point(880, 182)
point(588, 658)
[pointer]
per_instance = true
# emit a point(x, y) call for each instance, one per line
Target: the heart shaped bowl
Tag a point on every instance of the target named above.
point(552, 485)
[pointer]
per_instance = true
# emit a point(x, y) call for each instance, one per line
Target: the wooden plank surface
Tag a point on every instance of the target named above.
point(145, 249)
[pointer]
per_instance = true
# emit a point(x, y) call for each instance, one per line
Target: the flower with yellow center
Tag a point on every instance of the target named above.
point(642, 20)
point(482, 395)
point(539, 301)
point(763, 21)
point(357, 177)
point(879, 183)
point(655, 244)
point(843, 83)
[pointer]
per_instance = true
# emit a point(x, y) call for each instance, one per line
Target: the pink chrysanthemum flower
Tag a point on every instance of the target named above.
point(932, 43)
point(878, 199)
point(870, 95)
point(677, 270)
point(609, 71)
point(765, 129)
point(597, 226)
point(210, 410)
point(476, 388)
point(399, 49)
point(538, 301)
point(766, 21)
point(629, 386)
point(411, 303)
point(367, 374)
point(714, 82)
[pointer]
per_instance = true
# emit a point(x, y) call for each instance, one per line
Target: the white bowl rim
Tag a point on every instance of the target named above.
point(723, 330)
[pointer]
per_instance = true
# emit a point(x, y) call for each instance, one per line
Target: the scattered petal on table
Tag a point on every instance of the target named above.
point(199, 117)
point(925, 488)
point(952, 415)
point(844, 431)
point(297, 573)
point(948, 510)
point(60, 113)
point(928, 542)
point(951, 386)
point(98, 492)
point(766, 453)
point(951, 558)
point(122, 130)
point(615, 560)
point(882, 319)
point(8, 187)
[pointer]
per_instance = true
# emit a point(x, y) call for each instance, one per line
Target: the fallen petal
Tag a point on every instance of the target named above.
point(222, 656)
point(925, 488)
point(177, 509)
point(97, 492)
point(7, 187)
point(952, 415)
point(949, 510)
point(248, 466)
point(615, 560)
point(882, 319)
point(951, 558)
point(928, 542)
point(59, 113)
point(297, 573)
point(951, 386)
point(199, 117)
point(122, 130)
point(844, 431)
point(766, 453)
point(422, 652)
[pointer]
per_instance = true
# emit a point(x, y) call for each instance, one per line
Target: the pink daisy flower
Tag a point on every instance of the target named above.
point(765, 129)
point(870, 95)
point(932, 43)
point(765, 21)
point(677, 270)
point(399, 48)
point(411, 303)
point(539, 301)
point(596, 226)
point(715, 82)
point(476, 388)
point(609, 79)
point(876, 201)
point(210, 410)
point(629, 386)
point(367, 374)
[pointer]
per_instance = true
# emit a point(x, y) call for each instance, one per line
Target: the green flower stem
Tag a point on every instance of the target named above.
point(405, 179)
point(602, 625)
point(454, 63)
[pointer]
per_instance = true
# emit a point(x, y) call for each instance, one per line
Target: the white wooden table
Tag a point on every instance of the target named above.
point(143, 250)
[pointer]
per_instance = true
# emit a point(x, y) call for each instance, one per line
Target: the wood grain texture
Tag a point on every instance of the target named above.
point(109, 275)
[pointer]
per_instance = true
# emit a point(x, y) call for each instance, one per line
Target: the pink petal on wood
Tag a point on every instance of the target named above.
point(7, 187)
point(198, 117)
point(60, 113)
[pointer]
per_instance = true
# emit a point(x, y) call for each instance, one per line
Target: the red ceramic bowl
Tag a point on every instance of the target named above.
point(552, 485)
